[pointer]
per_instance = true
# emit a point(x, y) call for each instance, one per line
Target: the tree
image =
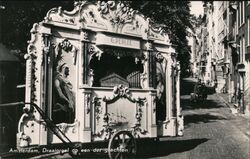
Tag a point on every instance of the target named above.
point(17, 19)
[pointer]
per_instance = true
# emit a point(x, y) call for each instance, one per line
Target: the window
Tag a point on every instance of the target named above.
point(237, 21)
point(248, 30)
point(243, 49)
point(242, 12)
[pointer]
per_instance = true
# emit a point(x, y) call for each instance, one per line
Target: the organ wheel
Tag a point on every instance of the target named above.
point(122, 145)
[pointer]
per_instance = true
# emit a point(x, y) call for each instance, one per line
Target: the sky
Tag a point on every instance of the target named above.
point(196, 8)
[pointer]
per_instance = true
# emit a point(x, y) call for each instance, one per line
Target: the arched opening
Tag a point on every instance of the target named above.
point(114, 68)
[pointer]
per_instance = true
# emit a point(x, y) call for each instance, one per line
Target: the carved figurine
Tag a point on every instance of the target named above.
point(160, 87)
point(64, 101)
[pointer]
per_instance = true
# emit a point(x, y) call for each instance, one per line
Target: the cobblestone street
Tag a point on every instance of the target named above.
point(211, 132)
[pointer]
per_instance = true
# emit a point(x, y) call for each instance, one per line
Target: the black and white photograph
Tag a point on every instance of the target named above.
point(120, 79)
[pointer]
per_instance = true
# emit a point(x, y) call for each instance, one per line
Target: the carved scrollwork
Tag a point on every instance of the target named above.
point(121, 92)
point(88, 103)
point(136, 28)
point(149, 46)
point(89, 19)
point(90, 15)
point(32, 63)
point(33, 32)
point(22, 138)
point(117, 13)
point(143, 77)
point(154, 104)
point(27, 120)
point(64, 127)
point(106, 130)
point(97, 106)
point(157, 28)
point(84, 36)
point(94, 50)
point(137, 129)
point(90, 77)
point(157, 31)
point(31, 49)
point(67, 47)
point(180, 125)
point(106, 118)
point(59, 15)
point(175, 68)
point(46, 49)
point(159, 57)
point(178, 66)
point(105, 6)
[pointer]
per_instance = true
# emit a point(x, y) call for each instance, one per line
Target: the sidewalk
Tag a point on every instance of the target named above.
point(225, 98)
point(242, 121)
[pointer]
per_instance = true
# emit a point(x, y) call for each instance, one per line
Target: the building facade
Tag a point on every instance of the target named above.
point(225, 50)
point(193, 42)
point(204, 48)
point(243, 49)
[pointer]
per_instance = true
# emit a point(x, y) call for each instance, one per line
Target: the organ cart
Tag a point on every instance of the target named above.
point(99, 72)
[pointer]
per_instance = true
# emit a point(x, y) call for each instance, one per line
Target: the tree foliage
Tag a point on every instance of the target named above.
point(17, 18)
point(175, 18)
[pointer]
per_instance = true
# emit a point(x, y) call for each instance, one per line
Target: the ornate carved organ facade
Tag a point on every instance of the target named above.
point(104, 67)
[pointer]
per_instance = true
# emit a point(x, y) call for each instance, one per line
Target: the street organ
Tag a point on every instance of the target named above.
point(97, 70)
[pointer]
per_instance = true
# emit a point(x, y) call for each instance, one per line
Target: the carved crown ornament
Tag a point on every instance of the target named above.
point(93, 14)
point(118, 14)
point(122, 92)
